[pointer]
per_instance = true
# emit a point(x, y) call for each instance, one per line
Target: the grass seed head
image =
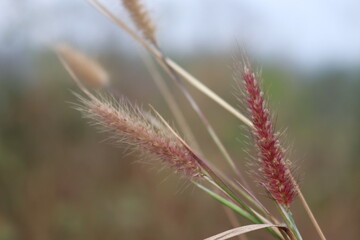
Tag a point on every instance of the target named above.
point(274, 169)
point(134, 127)
point(85, 69)
point(141, 18)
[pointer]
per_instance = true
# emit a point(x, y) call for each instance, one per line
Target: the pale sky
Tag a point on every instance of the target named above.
point(305, 33)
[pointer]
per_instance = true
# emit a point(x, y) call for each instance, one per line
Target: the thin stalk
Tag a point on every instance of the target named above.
point(310, 214)
point(170, 101)
point(209, 93)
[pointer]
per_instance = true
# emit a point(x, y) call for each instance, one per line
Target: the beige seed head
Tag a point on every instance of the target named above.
point(83, 68)
point(141, 18)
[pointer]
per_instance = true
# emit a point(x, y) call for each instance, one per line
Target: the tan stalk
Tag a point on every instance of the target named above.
point(198, 85)
point(310, 214)
point(205, 90)
point(170, 100)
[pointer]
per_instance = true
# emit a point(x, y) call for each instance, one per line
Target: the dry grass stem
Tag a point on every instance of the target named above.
point(310, 214)
point(170, 101)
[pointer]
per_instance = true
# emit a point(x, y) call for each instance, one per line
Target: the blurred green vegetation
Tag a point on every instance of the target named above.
point(59, 181)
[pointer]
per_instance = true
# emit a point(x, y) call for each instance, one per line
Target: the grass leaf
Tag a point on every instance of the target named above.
point(241, 230)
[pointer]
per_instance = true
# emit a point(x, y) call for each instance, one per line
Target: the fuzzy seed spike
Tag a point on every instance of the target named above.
point(133, 126)
point(274, 168)
point(141, 18)
point(86, 70)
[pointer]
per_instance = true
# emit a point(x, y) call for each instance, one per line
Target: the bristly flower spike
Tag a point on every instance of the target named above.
point(135, 127)
point(141, 18)
point(274, 169)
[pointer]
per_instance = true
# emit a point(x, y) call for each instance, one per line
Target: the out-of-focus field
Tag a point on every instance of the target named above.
point(59, 181)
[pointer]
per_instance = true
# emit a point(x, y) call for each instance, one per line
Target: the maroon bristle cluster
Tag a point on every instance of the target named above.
point(276, 176)
point(137, 129)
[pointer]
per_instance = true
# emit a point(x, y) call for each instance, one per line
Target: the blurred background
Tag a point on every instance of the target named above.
point(59, 181)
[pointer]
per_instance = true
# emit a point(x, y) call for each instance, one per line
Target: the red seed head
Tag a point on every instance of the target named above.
point(274, 169)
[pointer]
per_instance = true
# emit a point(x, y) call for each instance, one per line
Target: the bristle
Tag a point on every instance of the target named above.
point(141, 18)
point(85, 69)
point(274, 168)
point(135, 128)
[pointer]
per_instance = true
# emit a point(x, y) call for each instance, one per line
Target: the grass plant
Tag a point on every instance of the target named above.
point(147, 132)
